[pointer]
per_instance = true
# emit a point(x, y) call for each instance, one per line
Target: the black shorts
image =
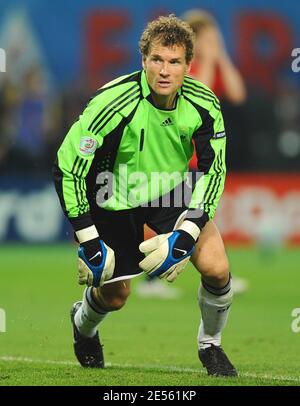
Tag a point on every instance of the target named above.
point(123, 231)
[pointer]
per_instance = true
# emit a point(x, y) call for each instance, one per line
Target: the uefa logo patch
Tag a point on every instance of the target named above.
point(87, 145)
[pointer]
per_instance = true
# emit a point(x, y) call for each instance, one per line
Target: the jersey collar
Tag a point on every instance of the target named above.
point(145, 87)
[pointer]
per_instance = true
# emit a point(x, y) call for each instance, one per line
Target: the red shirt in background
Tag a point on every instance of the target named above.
point(217, 87)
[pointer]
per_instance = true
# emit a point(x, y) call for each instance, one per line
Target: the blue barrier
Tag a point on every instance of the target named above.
point(30, 212)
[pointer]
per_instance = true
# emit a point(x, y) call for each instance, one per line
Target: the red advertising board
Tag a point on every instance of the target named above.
point(260, 207)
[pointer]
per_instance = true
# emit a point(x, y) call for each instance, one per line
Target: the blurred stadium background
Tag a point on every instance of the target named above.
point(57, 54)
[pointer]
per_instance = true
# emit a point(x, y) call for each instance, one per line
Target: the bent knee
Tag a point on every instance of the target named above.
point(116, 303)
point(117, 300)
point(218, 271)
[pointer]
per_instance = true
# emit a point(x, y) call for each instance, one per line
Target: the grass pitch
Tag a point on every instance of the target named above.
point(150, 341)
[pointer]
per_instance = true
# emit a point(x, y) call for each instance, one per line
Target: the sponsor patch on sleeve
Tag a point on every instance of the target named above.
point(220, 134)
point(88, 145)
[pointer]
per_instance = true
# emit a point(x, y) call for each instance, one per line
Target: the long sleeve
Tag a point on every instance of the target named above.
point(210, 144)
point(82, 154)
point(74, 159)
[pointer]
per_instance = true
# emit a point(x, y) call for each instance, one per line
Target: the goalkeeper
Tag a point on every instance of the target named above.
point(135, 130)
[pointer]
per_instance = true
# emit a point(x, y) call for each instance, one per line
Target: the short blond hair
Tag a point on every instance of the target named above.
point(168, 30)
point(199, 19)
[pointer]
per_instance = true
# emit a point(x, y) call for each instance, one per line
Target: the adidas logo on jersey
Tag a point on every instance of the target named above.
point(168, 121)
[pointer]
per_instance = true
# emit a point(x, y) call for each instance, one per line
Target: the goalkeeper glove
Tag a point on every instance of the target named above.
point(168, 254)
point(96, 260)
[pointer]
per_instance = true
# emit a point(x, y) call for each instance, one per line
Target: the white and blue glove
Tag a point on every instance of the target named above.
point(96, 260)
point(168, 254)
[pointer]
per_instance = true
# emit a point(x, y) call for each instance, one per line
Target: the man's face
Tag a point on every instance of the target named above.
point(165, 68)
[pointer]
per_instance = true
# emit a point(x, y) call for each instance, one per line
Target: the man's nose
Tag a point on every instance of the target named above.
point(164, 70)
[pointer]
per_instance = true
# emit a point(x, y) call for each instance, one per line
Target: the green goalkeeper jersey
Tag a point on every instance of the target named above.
point(123, 151)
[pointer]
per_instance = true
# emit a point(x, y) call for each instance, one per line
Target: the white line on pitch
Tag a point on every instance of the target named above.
point(169, 368)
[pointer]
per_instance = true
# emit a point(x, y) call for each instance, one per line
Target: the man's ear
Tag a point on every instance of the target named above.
point(143, 64)
point(188, 67)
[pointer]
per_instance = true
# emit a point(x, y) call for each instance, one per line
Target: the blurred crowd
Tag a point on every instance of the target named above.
point(35, 114)
point(34, 120)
